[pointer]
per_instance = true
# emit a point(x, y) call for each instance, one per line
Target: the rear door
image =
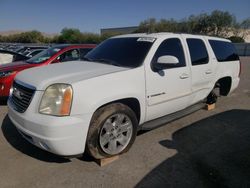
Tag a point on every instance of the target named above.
point(202, 68)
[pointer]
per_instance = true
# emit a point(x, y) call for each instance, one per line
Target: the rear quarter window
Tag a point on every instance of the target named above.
point(224, 51)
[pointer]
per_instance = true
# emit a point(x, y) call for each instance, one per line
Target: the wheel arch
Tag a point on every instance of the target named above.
point(224, 85)
point(131, 102)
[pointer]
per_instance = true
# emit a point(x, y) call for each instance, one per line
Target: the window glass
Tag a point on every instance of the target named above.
point(44, 55)
point(198, 51)
point(84, 51)
point(70, 55)
point(124, 52)
point(35, 52)
point(171, 47)
point(224, 51)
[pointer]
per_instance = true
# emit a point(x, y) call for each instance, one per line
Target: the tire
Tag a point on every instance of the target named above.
point(213, 96)
point(106, 137)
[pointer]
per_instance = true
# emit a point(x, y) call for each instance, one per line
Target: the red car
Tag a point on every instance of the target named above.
point(55, 54)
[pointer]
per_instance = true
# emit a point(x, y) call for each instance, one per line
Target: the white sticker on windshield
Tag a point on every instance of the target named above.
point(146, 39)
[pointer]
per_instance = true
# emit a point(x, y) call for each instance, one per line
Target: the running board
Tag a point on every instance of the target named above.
point(171, 117)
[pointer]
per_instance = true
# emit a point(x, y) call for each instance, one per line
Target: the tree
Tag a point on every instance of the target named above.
point(69, 35)
point(25, 37)
point(236, 39)
point(218, 23)
point(147, 26)
point(241, 29)
point(245, 24)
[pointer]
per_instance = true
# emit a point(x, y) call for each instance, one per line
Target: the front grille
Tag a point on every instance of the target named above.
point(21, 96)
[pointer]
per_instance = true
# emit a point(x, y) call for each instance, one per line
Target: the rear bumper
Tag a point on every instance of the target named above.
point(65, 136)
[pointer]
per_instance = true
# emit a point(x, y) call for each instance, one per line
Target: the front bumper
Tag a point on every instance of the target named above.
point(5, 85)
point(64, 136)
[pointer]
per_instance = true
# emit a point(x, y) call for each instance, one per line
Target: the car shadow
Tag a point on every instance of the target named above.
point(3, 101)
point(18, 142)
point(213, 152)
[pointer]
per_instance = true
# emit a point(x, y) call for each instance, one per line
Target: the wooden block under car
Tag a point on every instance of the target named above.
point(210, 106)
point(105, 161)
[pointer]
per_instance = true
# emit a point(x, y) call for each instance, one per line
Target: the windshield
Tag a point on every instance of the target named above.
point(125, 52)
point(44, 55)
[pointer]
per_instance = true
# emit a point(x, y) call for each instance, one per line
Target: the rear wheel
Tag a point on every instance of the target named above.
point(213, 95)
point(112, 131)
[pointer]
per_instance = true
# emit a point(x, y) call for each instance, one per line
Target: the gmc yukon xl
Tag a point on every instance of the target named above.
point(128, 83)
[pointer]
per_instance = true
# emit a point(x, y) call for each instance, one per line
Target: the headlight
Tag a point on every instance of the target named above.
point(6, 73)
point(57, 100)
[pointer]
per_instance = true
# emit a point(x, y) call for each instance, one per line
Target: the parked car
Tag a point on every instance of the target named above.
point(32, 52)
point(25, 49)
point(56, 54)
point(7, 56)
point(128, 83)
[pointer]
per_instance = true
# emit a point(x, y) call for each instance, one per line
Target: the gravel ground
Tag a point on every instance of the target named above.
point(204, 149)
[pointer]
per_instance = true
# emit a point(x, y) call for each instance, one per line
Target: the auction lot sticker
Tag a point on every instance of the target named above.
point(146, 39)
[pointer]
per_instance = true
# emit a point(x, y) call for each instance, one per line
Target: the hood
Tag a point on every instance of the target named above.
point(67, 72)
point(14, 65)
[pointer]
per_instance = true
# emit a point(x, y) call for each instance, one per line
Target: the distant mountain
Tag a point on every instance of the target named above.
point(13, 32)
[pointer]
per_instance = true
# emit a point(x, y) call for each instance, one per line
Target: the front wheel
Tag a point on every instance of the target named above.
point(112, 131)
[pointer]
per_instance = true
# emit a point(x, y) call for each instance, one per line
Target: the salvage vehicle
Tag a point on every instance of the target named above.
point(32, 52)
point(56, 54)
point(7, 56)
point(128, 83)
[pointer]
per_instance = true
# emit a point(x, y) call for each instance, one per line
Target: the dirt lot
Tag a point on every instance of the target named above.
point(204, 149)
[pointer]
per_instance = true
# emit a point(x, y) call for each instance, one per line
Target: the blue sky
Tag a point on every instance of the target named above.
point(89, 16)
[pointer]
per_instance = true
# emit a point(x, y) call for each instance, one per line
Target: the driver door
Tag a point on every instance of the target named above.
point(168, 90)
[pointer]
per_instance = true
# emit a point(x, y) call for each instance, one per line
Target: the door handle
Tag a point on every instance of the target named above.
point(208, 72)
point(184, 76)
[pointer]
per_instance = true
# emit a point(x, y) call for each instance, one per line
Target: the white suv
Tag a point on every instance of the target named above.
point(128, 83)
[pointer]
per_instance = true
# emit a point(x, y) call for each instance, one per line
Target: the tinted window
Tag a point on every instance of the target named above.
point(171, 47)
point(126, 52)
point(224, 51)
point(198, 51)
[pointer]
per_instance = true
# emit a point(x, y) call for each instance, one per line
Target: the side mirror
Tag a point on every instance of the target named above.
point(168, 59)
point(164, 62)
